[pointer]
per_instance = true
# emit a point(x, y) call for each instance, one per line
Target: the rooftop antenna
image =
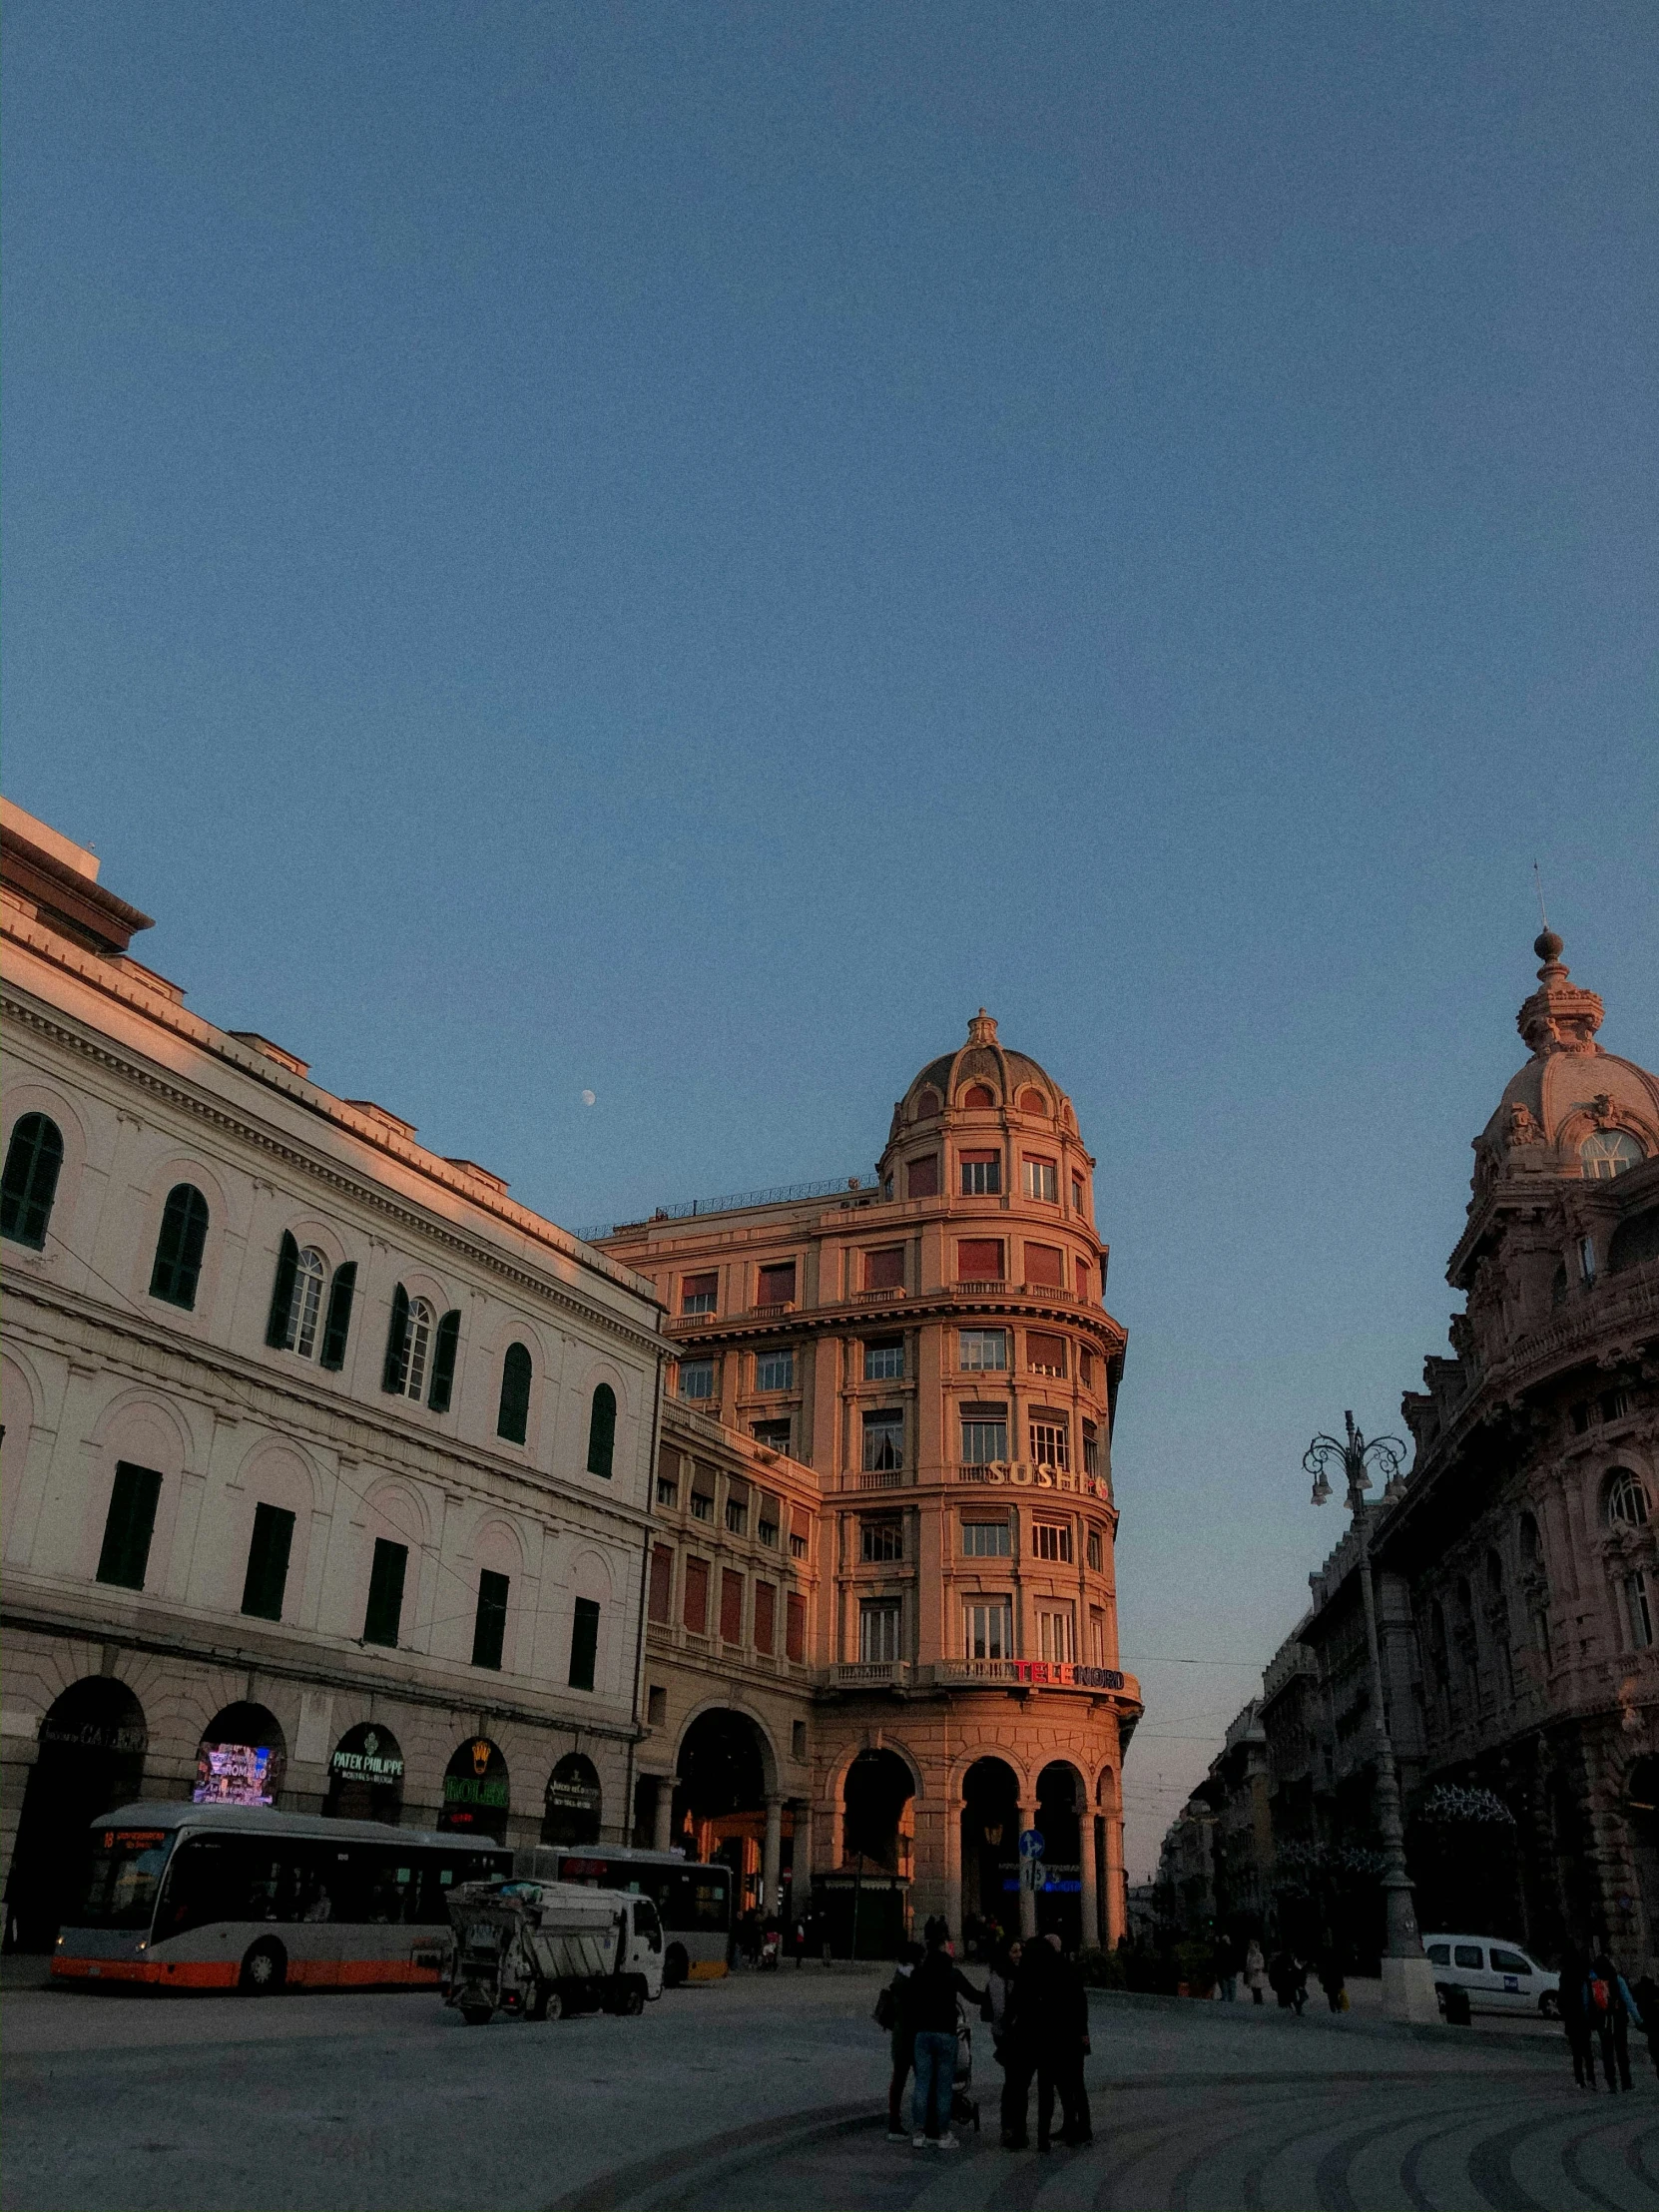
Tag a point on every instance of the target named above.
point(1539, 882)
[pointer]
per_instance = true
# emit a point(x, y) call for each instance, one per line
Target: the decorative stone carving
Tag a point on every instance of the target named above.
point(1523, 1125)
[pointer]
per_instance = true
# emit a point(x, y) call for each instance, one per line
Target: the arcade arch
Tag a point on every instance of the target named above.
point(90, 1759)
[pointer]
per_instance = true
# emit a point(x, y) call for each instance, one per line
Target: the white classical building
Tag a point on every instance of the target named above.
point(327, 1467)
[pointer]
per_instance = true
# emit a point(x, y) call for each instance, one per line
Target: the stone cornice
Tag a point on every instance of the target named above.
point(861, 1315)
point(230, 1384)
point(374, 1198)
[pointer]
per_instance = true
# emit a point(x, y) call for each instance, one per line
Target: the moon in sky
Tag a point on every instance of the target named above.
point(588, 1098)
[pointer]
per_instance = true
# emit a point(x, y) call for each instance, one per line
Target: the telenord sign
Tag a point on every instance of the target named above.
point(1031, 1844)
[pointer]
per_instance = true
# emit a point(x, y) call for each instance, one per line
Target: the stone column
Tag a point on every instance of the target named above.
point(1027, 1895)
point(953, 1862)
point(772, 1856)
point(662, 1833)
point(1086, 1872)
point(1116, 1899)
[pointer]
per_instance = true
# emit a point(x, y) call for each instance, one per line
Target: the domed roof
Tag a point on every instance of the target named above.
point(1571, 1086)
point(983, 1059)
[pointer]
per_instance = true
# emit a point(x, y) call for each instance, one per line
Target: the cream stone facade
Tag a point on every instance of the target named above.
point(934, 1349)
point(321, 1454)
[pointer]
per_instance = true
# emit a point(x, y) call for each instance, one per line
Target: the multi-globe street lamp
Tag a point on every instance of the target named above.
point(1407, 1976)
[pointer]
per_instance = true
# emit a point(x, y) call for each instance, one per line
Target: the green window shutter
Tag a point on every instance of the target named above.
point(512, 1420)
point(385, 1592)
point(129, 1526)
point(282, 1297)
point(265, 1581)
point(179, 1246)
point(584, 1644)
point(30, 1181)
point(338, 1325)
point(602, 1431)
point(397, 1341)
point(490, 1627)
point(443, 1363)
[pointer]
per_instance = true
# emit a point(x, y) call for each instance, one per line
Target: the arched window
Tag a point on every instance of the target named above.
point(1032, 1102)
point(1609, 1152)
point(512, 1418)
point(409, 1346)
point(602, 1431)
point(30, 1184)
point(979, 1095)
point(1529, 1545)
point(1632, 1242)
point(928, 1103)
point(296, 1299)
point(178, 1247)
point(1626, 1498)
point(1495, 1572)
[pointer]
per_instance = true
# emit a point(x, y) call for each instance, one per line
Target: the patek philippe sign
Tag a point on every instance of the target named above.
point(373, 1761)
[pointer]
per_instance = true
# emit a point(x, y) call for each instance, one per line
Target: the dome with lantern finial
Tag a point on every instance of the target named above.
point(981, 1075)
point(1574, 1108)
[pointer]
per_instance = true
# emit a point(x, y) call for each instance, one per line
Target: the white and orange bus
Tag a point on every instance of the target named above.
point(233, 1897)
point(693, 1899)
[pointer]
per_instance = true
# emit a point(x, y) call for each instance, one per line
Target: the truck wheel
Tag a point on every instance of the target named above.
point(632, 2002)
point(476, 2015)
point(263, 1970)
point(548, 2004)
point(675, 1965)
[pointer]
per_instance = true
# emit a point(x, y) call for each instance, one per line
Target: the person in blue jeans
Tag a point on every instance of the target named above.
point(930, 2005)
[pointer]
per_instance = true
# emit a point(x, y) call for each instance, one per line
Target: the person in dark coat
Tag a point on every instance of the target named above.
point(1021, 2024)
point(1612, 2012)
point(931, 2003)
point(1062, 2046)
point(1646, 1994)
point(904, 2037)
point(1575, 2024)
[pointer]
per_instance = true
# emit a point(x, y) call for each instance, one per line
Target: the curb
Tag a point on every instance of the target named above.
point(1276, 2021)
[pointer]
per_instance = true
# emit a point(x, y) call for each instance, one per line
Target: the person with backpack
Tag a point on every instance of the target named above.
point(1611, 2011)
point(930, 2005)
point(1575, 2022)
point(894, 2014)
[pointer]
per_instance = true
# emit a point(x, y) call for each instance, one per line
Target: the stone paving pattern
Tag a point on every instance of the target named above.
point(767, 2092)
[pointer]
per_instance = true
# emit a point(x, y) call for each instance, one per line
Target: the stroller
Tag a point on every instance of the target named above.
point(964, 2106)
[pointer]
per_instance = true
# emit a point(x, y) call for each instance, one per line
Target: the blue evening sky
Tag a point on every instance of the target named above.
point(676, 551)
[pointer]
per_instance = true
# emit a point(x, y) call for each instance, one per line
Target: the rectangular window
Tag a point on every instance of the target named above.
point(656, 1704)
point(266, 1582)
point(702, 1505)
point(1083, 1280)
point(884, 1360)
point(662, 1583)
point(765, 1618)
point(921, 1176)
point(736, 1518)
point(1077, 1194)
point(797, 1544)
point(985, 1539)
point(695, 1610)
point(130, 1524)
point(775, 1371)
point(1615, 1404)
point(490, 1624)
point(668, 1493)
point(1055, 1639)
point(1587, 1257)
point(697, 1293)
point(794, 1631)
point(981, 1174)
point(775, 1285)
point(1049, 1447)
point(384, 1612)
point(1097, 1637)
point(775, 1435)
point(979, 1260)
point(884, 1270)
point(883, 1441)
point(731, 1607)
point(798, 1739)
point(984, 1440)
point(697, 1378)
point(1041, 1180)
point(982, 1351)
point(882, 1539)
point(1046, 1264)
point(878, 1630)
point(1641, 1613)
point(1096, 1551)
point(1050, 1540)
point(1091, 1448)
point(1085, 1369)
point(989, 1629)
point(770, 1509)
point(584, 1644)
point(1045, 1355)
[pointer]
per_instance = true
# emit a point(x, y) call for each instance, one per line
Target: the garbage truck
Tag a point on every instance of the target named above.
point(539, 1949)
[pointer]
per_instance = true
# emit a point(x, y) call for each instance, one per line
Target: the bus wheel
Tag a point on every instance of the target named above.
point(265, 1969)
point(675, 1965)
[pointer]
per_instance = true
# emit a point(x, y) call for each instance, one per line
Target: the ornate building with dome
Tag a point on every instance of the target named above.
point(1526, 1531)
point(929, 1362)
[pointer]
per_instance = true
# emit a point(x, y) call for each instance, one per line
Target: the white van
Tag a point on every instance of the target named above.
point(1498, 1976)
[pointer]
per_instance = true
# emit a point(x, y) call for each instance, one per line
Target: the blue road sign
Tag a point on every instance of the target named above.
point(1031, 1844)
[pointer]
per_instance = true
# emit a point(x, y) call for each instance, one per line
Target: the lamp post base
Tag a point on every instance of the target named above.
point(1409, 1992)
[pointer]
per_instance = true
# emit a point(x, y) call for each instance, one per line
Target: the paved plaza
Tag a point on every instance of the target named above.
point(767, 2092)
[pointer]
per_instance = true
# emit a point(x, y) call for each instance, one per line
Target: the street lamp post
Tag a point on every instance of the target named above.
point(1407, 1976)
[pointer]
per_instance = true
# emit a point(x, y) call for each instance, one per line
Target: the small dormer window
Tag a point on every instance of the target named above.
point(927, 1104)
point(1608, 1151)
point(979, 1097)
point(1626, 1499)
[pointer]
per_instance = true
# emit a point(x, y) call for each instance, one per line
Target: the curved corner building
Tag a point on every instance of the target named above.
point(935, 1349)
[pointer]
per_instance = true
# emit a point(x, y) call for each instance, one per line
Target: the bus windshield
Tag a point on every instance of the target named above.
point(127, 1869)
